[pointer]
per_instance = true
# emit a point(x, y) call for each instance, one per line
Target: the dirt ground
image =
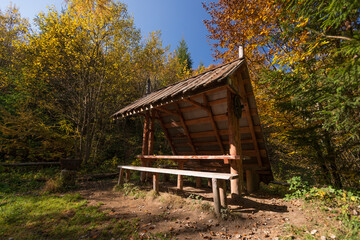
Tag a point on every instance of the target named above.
point(253, 217)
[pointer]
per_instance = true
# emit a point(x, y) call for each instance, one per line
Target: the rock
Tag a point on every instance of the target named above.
point(354, 212)
point(276, 238)
point(323, 238)
point(210, 221)
point(238, 236)
point(313, 232)
point(332, 236)
point(267, 233)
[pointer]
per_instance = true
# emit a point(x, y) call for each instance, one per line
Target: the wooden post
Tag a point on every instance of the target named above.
point(180, 183)
point(216, 196)
point(145, 144)
point(222, 192)
point(127, 176)
point(121, 177)
point(151, 142)
point(198, 182)
point(209, 183)
point(156, 182)
point(252, 181)
point(234, 148)
point(151, 134)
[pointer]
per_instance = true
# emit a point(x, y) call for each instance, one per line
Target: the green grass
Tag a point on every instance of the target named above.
point(26, 212)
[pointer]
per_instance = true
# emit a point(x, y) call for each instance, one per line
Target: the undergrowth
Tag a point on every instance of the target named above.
point(345, 204)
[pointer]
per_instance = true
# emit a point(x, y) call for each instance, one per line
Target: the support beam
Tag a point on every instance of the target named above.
point(198, 182)
point(145, 144)
point(151, 133)
point(249, 118)
point(252, 181)
point(151, 141)
point(236, 167)
point(186, 130)
point(127, 176)
point(216, 196)
point(167, 135)
point(213, 123)
point(121, 177)
point(156, 182)
point(222, 193)
point(180, 183)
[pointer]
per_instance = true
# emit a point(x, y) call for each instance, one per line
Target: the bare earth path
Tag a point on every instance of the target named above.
point(254, 217)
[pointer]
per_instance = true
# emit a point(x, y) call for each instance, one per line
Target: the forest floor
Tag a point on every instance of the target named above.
point(29, 209)
point(188, 214)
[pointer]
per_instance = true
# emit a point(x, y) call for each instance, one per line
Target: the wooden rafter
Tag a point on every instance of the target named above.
point(213, 123)
point(166, 132)
point(250, 120)
point(186, 130)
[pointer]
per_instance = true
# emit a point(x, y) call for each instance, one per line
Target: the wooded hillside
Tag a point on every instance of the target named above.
point(62, 78)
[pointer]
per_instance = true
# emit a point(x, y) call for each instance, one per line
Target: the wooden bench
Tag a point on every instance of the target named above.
point(218, 180)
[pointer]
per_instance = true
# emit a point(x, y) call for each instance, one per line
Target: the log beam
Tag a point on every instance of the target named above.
point(249, 119)
point(167, 135)
point(186, 130)
point(213, 123)
point(145, 144)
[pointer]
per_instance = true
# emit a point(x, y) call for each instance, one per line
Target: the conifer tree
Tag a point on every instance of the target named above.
point(183, 54)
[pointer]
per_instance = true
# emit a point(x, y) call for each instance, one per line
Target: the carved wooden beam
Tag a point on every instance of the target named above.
point(167, 135)
point(213, 123)
point(186, 130)
point(250, 120)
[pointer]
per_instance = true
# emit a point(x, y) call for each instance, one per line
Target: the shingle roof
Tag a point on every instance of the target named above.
point(177, 90)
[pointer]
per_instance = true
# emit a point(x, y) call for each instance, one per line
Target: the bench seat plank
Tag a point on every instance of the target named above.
point(224, 176)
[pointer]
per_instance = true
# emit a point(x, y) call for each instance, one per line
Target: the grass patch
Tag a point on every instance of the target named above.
point(27, 212)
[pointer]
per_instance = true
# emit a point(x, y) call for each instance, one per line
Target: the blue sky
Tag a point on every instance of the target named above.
point(174, 18)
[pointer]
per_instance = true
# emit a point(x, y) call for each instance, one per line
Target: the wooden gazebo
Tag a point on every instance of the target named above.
point(211, 123)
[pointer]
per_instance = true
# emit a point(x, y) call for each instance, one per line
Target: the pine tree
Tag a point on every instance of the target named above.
point(183, 55)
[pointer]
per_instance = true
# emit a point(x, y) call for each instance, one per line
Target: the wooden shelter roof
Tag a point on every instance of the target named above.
point(201, 82)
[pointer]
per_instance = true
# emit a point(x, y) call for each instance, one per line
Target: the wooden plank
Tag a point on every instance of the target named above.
point(167, 135)
point(202, 143)
point(186, 130)
point(183, 157)
point(213, 124)
point(167, 111)
point(222, 132)
point(196, 121)
point(224, 176)
point(216, 196)
point(211, 103)
point(254, 153)
point(251, 140)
